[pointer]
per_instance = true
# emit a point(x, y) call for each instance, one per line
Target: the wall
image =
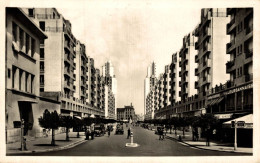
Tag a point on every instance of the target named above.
point(220, 58)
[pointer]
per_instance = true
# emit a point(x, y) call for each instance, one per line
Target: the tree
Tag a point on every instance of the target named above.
point(50, 121)
point(183, 122)
point(175, 123)
point(67, 122)
point(77, 124)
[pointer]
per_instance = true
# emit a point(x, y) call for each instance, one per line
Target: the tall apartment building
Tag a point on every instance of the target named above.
point(211, 47)
point(81, 62)
point(57, 52)
point(58, 64)
point(240, 47)
point(110, 79)
point(187, 64)
point(150, 104)
point(22, 66)
point(149, 81)
point(166, 87)
point(174, 75)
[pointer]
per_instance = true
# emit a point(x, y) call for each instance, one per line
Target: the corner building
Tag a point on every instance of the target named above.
point(23, 38)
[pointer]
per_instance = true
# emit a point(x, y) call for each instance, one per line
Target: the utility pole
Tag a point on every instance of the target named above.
point(235, 143)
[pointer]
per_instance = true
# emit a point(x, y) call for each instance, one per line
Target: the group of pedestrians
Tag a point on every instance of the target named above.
point(161, 133)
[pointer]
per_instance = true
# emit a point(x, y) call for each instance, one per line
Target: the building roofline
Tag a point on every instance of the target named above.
point(27, 19)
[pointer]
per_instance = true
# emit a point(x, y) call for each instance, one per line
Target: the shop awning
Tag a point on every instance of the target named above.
point(248, 119)
point(78, 117)
point(212, 102)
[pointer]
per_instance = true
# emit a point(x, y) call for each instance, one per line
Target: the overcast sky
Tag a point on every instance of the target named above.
point(131, 36)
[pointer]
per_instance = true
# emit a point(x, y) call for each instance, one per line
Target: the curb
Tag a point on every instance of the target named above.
point(205, 148)
point(49, 150)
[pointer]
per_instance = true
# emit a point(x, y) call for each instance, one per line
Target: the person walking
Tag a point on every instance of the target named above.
point(160, 132)
point(108, 131)
point(128, 133)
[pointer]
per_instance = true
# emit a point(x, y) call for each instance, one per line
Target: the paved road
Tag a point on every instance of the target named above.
point(149, 146)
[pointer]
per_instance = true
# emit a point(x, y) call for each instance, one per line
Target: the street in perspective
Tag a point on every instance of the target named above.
point(92, 93)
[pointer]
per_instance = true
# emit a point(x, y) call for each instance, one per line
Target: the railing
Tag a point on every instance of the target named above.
point(248, 53)
point(248, 77)
point(229, 64)
point(231, 22)
point(53, 29)
point(47, 16)
point(249, 29)
point(219, 14)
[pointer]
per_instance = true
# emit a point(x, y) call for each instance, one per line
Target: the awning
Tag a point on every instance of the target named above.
point(219, 100)
point(248, 119)
point(216, 101)
point(212, 102)
point(78, 117)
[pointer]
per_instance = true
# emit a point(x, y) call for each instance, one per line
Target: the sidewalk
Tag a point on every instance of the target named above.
point(201, 143)
point(44, 144)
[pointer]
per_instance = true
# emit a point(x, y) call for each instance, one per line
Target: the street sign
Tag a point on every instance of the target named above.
point(240, 124)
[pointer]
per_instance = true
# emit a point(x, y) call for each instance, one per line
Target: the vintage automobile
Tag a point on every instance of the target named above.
point(119, 129)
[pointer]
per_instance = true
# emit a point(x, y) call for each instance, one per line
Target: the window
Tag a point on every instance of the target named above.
point(14, 32)
point(9, 73)
point(20, 79)
point(239, 49)
point(33, 47)
point(30, 11)
point(42, 53)
point(27, 44)
point(26, 82)
point(32, 83)
point(42, 25)
point(41, 66)
point(21, 39)
point(41, 89)
point(14, 76)
point(239, 27)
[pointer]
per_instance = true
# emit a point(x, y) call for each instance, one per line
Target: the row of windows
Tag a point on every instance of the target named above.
point(22, 80)
point(25, 42)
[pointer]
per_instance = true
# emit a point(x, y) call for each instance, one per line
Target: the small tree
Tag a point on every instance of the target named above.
point(77, 125)
point(67, 122)
point(50, 121)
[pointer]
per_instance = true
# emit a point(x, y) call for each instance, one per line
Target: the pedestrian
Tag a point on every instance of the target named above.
point(128, 133)
point(108, 131)
point(160, 134)
point(208, 137)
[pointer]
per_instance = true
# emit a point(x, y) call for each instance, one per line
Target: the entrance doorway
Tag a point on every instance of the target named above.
point(25, 109)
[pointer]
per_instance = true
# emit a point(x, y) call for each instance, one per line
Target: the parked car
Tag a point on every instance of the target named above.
point(119, 129)
point(98, 131)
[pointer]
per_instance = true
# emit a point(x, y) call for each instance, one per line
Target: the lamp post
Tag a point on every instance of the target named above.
point(22, 133)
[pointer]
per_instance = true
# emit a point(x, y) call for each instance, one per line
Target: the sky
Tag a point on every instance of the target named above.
point(131, 36)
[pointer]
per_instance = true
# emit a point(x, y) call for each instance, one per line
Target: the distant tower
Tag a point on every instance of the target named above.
point(149, 82)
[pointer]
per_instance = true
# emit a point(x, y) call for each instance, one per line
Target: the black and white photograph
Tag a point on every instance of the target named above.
point(129, 81)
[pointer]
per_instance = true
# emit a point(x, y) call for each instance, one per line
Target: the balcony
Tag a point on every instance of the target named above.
point(196, 58)
point(67, 71)
point(230, 26)
point(249, 29)
point(196, 85)
point(230, 10)
point(229, 65)
point(248, 53)
point(196, 71)
point(230, 46)
point(248, 77)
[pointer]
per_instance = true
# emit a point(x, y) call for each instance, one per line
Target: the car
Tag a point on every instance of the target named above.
point(119, 129)
point(98, 131)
